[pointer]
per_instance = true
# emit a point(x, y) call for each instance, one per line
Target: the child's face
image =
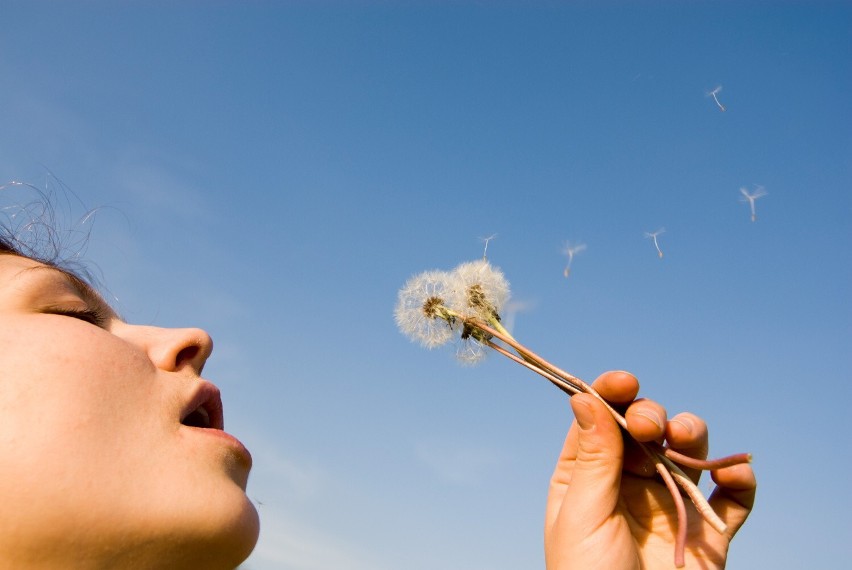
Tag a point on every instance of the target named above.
point(95, 459)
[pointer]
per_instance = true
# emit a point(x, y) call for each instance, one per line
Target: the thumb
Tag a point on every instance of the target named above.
point(596, 476)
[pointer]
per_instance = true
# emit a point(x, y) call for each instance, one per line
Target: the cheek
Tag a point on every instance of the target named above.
point(80, 395)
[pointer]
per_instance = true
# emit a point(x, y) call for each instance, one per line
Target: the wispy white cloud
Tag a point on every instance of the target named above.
point(159, 184)
point(458, 463)
point(287, 543)
point(511, 311)
point(45, 134)
point(289, 493)
point(278, 478)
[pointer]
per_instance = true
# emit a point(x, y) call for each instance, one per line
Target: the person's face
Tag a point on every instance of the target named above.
point(112, 444)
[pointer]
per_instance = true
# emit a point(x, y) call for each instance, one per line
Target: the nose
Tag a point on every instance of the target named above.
point(176, 349)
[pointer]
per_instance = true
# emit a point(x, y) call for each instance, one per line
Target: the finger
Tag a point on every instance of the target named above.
point(734, 495)
point(617, 387)
point(620, 388)
point(687, 434)
point(646, 420)
point(561, 478)
point(595, 475)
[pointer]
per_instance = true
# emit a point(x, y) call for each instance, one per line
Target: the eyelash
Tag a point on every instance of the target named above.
point(92, 316)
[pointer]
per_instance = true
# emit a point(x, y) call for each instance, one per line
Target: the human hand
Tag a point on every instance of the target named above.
point(607, 509)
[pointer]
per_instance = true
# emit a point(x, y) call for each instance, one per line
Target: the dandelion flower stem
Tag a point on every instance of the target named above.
point(680, 509)
point(665, 459)
point(501, 333)
point(561, 384)
point(434, 306)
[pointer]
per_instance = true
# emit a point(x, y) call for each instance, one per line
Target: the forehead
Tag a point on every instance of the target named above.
point(12, 264)
point(14, 267)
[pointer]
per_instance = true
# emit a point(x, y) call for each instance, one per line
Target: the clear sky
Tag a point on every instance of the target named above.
point(274, 172)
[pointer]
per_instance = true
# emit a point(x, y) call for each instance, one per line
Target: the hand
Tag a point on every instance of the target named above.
point(607, 508)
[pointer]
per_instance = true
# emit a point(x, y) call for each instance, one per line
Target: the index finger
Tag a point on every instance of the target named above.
point(617, 387)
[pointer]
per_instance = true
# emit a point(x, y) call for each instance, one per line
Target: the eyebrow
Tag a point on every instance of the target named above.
point(81, 287)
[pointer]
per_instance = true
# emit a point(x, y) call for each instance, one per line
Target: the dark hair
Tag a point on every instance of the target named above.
point(6, 248)
point(31, 227)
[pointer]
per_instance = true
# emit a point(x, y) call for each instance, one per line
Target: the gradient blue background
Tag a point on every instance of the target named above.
point(274, 171)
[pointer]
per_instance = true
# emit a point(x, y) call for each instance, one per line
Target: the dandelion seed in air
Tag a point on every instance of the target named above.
point(570, 250)
point(751, 197)
point(713, 94)
point(468, 300)
point(653, 236)
point(486, 240)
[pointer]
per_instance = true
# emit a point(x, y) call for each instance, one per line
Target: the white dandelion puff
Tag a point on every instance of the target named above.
point(421, 309)
point(470, 352)
point(759, 192)
point(432, 304)
point(478, 289)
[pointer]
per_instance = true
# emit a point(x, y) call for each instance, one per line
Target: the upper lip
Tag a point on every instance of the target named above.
point(204, 409)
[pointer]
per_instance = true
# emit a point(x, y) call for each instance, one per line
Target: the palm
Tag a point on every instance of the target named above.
point(639, 532)
point(649, 521)
point(608, 509)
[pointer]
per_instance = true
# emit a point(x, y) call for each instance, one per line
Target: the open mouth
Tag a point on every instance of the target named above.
point(205, 409)
point(197, 418)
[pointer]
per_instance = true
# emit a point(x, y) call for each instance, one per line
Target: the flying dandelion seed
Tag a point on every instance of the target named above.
point(713, 94)
point(570, 250)
point(469, 300)
point(486, 240)
point(653, 235)
point(751, 197)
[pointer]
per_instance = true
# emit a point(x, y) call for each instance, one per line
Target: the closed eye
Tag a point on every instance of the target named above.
point(92, 316)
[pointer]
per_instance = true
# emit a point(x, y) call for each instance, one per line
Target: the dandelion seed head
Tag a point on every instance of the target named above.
point(421, 309)
point(470, 352)
point(479, 288)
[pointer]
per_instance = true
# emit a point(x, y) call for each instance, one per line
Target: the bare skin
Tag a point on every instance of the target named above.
point(606, 508)
point(108, 460)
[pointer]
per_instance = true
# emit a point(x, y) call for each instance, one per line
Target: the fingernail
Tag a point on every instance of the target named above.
point(583, 413)
point(687, 423)
point(652, 416)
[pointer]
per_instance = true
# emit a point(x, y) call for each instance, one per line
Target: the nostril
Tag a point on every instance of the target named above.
point(186, 356)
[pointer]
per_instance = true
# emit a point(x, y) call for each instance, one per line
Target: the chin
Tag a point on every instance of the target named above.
point(248, 529)
point(220, 534)
point(241, 536)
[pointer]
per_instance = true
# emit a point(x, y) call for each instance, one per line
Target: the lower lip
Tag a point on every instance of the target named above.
point(234, 444)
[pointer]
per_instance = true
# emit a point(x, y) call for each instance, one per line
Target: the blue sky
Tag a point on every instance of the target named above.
point(274, 172)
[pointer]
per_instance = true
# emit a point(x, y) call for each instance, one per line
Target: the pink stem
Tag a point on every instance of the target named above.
point(664, 458)
point(561, 384)
point(706, 464)
point(680, 508)
point(527, 354)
